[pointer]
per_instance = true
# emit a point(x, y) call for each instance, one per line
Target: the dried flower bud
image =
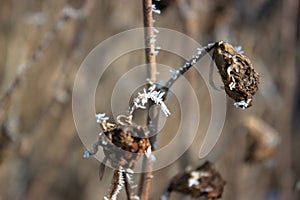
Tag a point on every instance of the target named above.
point(123, 145)
point(238, 75)
point(205, 181)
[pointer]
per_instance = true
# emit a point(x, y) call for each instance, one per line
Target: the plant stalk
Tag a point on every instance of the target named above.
point(145, 181)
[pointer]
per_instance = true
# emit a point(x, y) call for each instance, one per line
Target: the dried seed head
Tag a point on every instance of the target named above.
point(205, 181)
point(238, 75)
point(123, 145)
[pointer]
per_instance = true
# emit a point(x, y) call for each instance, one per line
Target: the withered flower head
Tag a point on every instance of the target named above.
point(204, 181)
point(238, 75)
point(123, 145)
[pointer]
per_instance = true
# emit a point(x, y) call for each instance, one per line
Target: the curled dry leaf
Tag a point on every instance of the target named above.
point(238, 75)
point(123, 145)
point(204, 181)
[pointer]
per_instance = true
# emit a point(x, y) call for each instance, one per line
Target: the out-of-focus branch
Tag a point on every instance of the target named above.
point(67, 13)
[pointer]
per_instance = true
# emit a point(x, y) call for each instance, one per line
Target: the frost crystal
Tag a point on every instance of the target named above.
point(242, 104)
point(152, 40)
point(155, 10)
point(232, 85)
point(155, 96)
point(101, 118)
point(194, 179)
point(148, 152)
point(155, 52)
point(135, 197)
point(86, 153)
point(239, 49)
point(193, 182)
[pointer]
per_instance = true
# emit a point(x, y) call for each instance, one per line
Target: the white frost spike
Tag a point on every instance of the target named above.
point(193, 182)
point(153, 158)
point(194, 179)
point(148, 152)
point(242, 104)
point(155, 52)
point(86, 154)
point(200, 50)
point(135, 197)
point(155, 10)
point(174, 72)
point(152, 40)
point(239, 49)
point(165, 109)
point(101, 117)
point(152, 88)
point(232, 85)
point(130, 171)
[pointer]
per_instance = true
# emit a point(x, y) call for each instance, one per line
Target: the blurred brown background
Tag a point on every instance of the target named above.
point(40, 151)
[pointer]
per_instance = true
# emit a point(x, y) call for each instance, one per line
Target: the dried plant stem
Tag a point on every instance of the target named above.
point(144, 186)
point(116, 185)
point(127, 186)
point(149, 34)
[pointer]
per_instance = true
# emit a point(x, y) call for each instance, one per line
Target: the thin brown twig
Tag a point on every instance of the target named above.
point(144, 186)
point(116, 184)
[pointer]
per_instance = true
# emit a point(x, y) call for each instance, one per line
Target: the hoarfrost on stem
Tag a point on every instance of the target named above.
point(101, 117)
point(156, 96)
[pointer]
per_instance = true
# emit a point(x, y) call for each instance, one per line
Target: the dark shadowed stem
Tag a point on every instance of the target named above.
point(144, 186)
point(67, 13)
point(127, 186)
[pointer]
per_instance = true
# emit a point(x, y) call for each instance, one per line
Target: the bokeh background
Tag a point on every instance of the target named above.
point(41, 154)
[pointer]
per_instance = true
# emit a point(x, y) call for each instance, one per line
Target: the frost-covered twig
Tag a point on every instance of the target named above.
point(199, 54)
point(116, 185)
point(121, 178)
point(128, 182)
